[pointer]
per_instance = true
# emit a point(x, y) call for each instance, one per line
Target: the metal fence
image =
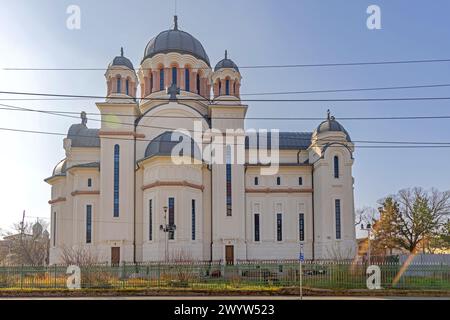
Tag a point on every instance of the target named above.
point(256, 275)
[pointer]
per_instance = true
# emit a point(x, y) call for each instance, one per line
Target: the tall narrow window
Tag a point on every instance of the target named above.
point(88, 223)
point(127, 87)
point(116, 179)
point(193, 220)
point(337, 212)
point(150, 220)
point(257, 228)
point(54, 228)
point(228, 181)
point(119, 85)
point(161, 79)
point(256, 181)
point(198, 84)
point(279, 227)
point(300, 181)
point(278, 181)
point(174, 75)
point(234, 87)
point(220, 87)
point(336, 167)
point(171, 217)
point(301, 227)
point(89, 182)
point(227, 87)
point(187, 79)
point(151, 82)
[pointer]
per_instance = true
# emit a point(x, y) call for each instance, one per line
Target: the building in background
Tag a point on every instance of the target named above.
point(118, 193)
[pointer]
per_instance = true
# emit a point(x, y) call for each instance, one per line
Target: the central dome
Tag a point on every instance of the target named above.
point(175, 40)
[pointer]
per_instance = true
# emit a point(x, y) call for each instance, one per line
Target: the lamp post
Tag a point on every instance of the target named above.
point(166, 228)
point(368, 228)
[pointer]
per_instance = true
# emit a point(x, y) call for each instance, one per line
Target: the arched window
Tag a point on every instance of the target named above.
point(256, 181)
point(220, 87)
point(278, 181)
point(127, 87)
point(161, 79)
point(151, 83)
point(119, 83)
point(228, 181)
point(174, 75)
point(198, 84)
point(300, 181)
point(234, 87)
point(116, 179)
point(227, 87)
point(187, 80)
point(89, 182)
point(336, 167)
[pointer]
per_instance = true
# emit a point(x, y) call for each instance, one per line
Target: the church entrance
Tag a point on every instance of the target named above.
point(229, 255)
point(115, 255)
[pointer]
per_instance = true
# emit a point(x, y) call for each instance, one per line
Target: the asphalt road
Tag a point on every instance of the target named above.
point(222, 298)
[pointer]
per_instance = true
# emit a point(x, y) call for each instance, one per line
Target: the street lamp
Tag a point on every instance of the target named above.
point(368, 228)
point(166, 228)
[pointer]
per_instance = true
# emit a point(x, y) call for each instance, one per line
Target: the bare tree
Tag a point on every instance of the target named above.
point(419, 216)
point(79, 256)
point(28, 244)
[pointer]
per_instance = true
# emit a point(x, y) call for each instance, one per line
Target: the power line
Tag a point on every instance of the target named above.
point(275, 66)
point(62, 112)
point(284, 92)
point(193, 131)
point(401, 144)
point(227, 100)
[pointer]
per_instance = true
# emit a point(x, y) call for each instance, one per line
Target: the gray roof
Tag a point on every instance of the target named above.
point(175, 40)
point(163, 145)
point(226, 63)
point(122, 61)
point(331, 124)
point(81, 136)
point(287, 140)
point(61, 168)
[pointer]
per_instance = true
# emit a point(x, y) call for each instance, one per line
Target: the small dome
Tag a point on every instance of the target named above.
point(82, 136)
point(60, 168)
point(175, 40)
point(122, 61)
point(331, 124)
point(163, 145)
point(226, 63)
point(37, 229)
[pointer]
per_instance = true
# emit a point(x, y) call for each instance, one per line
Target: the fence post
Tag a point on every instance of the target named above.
point(21, 276)
point(55, 270)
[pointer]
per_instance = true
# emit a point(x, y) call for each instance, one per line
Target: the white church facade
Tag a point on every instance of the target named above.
point(119, 193)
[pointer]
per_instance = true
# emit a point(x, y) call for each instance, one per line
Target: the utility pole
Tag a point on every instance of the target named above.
point(368, 228)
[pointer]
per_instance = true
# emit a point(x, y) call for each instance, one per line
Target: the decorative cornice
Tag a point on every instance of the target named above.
point(59, 199)
point(172, 184)
point(82, 193)
point(121, 133)
point(280, 190)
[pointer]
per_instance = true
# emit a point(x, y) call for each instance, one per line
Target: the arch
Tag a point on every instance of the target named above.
point(336, 166)
point(118, 84)
point(187, 79)
point(161, 79)
point(127, 86)
point(198, 83)
point(174, 72)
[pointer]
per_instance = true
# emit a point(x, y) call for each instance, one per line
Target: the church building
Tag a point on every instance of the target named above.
point(119, 194)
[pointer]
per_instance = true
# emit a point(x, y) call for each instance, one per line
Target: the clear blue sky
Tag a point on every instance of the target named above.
point(34, 34)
